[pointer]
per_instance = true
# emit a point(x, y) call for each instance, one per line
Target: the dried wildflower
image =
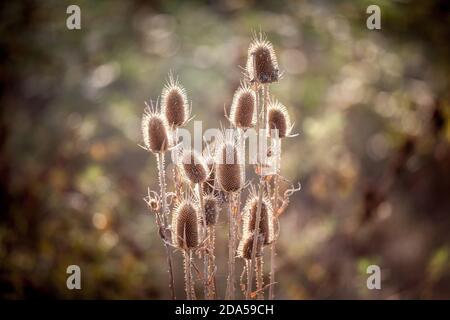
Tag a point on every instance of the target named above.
point(243, 108)
point(185, 225)
point(174, 102)
point(266, 217)
point(193, 167)
point(262, 65)
point(278, 118)
point(246, 246)
point(229, 171)
point(211, 210)
point(155, 131)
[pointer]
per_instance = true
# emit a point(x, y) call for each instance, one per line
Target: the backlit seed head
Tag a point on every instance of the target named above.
point(211, 210)
point(155, 131)
point(245, 247)
point(229, 169)
point(185, 225)
point(174, 102)
point(278, 118)
point(193, 167)
point(243, 108)
point(266, 218)
point(262, 65)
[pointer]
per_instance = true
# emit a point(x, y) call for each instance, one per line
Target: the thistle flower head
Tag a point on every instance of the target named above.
point(193, 167)
point(262, 65)
point(211, 209)
point(278, 118)
point(229, 170)
point(243, 107)
point(155, 130)
point(185, 225)
point(266, 217)
point(174, 102)
point(245, 247)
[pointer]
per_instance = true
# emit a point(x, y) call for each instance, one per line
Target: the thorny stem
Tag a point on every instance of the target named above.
point(211, 263)
point(204, 236)
point(231, 250)
point(259, 277)
point(260, 191)
point(162, 184)
point(275, 210)
point(187, 274)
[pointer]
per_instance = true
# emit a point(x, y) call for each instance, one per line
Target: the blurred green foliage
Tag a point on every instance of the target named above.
point(371, 107)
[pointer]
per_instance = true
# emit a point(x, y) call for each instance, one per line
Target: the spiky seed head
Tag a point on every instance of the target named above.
point(245, 247)
point(193, 167)
point(155, 131)
point(262, 65)
point(211, 210)
point(185, 225)
point(243, 108)
point(229, 171)
point(174, 102)
point(278, 118)
point(266, 218)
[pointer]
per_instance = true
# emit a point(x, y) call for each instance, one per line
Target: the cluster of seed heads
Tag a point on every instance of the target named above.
point(220, 176)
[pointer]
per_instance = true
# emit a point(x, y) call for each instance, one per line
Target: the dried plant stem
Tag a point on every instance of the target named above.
point(162, 184)
point(204, 236)
point(187, 274)
point(260, 191)
point(259, 277)
point(275, 209)
point(211, 263)
point(230, 295)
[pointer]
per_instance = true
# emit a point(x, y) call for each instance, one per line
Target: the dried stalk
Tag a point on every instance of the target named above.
point(275, 210)
point(230, 294)
point(187, 274)
point(260, 191)
point(204, 236)
point(259, 278)
point(162, 183)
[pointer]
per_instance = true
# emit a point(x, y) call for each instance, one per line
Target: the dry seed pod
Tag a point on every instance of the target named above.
point(266, 218)
point(193, 167)
point(174, 102)
point(246, 246)
point(155, 131)
point(185, 225)
point(243, 108)
point(278, 118)
point(262, 65)
point(211, 210)
point(229, 171)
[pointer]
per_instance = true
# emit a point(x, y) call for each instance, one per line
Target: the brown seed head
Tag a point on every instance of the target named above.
point(211, 210)
point(175, 105)
point(243, 108)
point(193, 167)
point(229, 171)
point(246, 247)
point(185, 225)
point(155, 132)
point(262, 65)
point(266, 217)
point(278, 118)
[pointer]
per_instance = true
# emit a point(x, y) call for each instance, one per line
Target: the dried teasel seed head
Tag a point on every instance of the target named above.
point(243, 108)
point(193, 167)
point(266, 218)
point(185, 225)
point(245, 247)
point(155, 131)
point(229, 171)
point(278, 118)
point(174, 103)
point(211, 210)
point(262, 65)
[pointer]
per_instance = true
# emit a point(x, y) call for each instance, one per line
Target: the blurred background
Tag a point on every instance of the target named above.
point(372, 109)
